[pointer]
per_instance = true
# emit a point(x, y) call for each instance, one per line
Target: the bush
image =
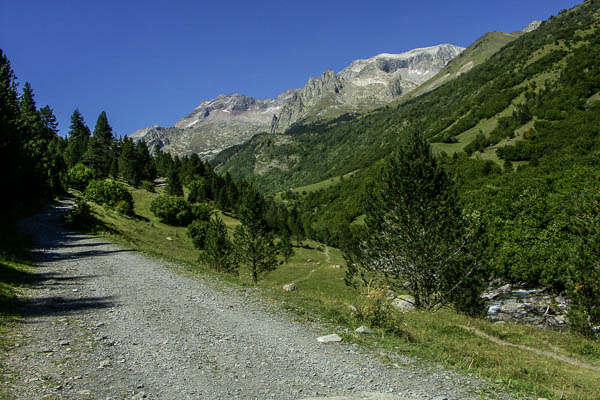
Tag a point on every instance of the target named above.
point(201, 211)
point(124, 208)
point(79, 177)
point(197, 232)
point(108, 192)
point(172, 210)
point(375, 308)
point(80, 215)
point(148, 186)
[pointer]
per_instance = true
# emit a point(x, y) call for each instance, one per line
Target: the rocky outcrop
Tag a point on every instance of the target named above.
point(364, 85)
point(536, 307)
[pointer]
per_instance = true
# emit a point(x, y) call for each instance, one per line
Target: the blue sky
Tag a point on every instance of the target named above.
point(151, 62)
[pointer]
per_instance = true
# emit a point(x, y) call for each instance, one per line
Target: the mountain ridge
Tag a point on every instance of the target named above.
point(364, 85)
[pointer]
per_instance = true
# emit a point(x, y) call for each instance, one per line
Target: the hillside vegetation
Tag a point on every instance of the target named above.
point(519, 132)
point(494, 174)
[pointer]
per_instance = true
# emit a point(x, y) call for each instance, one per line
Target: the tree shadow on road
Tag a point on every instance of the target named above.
point(14, 304)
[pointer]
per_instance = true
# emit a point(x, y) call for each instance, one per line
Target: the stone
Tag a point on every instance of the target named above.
point(505, 289)
point(404, 302)
point(64, 343)
point(512, 308)
point(104, 364)
point(491, 295)
point(290, 287)
point(352, 308)
point(363, 329)
point(333, 338)
point(336, 266)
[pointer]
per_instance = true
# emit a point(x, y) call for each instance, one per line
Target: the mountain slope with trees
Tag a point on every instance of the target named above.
point(518, 132)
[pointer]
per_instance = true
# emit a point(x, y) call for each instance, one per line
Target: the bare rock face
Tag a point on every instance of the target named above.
point(364, 85)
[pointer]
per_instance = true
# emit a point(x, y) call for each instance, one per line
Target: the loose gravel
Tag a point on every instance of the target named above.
point(103, 322)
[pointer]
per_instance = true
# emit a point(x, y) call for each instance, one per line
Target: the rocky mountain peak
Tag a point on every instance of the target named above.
point(231, 119)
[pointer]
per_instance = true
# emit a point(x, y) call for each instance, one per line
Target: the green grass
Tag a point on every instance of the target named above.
point(327, 183)
point(440, 337)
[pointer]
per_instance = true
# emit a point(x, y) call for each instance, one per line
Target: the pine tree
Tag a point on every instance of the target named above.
point(416, 236)
point(10, 144)
point(174, 187)
point(253, 242)
point(295, 226)
point(49, 123)
point(128, 163)
point(218, 250)
point(143, 162)
point(285, 246)
point(97, 155)
point(79, 135)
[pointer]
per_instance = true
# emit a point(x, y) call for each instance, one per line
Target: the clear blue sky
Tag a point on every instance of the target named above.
point(151, 62)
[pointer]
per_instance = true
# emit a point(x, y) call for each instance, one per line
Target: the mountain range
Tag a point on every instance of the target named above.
point(364, 85)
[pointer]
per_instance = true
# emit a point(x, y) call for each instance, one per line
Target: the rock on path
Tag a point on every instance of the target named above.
point(104, 322)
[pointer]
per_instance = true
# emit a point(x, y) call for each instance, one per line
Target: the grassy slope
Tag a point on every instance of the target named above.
point(482, 49)
point(439, 337)
point(322, 152)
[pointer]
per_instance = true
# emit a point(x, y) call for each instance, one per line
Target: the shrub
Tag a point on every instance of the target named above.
point(197, 232)
point(584, 315)
point(375, 308)
point(172, 210)
point(79, 177)
point(201, 211)
point(124, 208)
point(148, 186)
point(80, 215)
point(217, 251)
point(108, 192)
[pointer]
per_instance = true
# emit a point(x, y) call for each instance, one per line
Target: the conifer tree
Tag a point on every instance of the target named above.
point(174, 187)
point(417, 238)
point(127, 163)
point(10, 144)
point(79, 135)
point(144, 163)
point(287, 250)
point(97, 155)
point(253, 242)
point(49, 123)
point(218, 250)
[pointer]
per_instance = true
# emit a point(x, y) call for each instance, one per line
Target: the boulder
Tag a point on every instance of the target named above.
point(363, 329)
point(404, 302)
point(333, 338)
point(290, 287)
point(336, 266)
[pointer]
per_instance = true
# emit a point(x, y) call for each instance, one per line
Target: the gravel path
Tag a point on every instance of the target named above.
point(103, 322)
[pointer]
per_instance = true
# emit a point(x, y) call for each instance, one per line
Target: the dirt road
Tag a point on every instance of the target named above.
point(105, 322)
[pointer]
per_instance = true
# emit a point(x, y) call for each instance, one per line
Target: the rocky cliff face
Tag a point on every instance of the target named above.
point(365, 84)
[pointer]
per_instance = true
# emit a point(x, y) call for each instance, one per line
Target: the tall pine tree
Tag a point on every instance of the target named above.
point(252, 240)
point(79, 136)
point(417, 238)
point(97, 155)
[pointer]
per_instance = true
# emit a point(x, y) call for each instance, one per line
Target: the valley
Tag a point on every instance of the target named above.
point(416, 225)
